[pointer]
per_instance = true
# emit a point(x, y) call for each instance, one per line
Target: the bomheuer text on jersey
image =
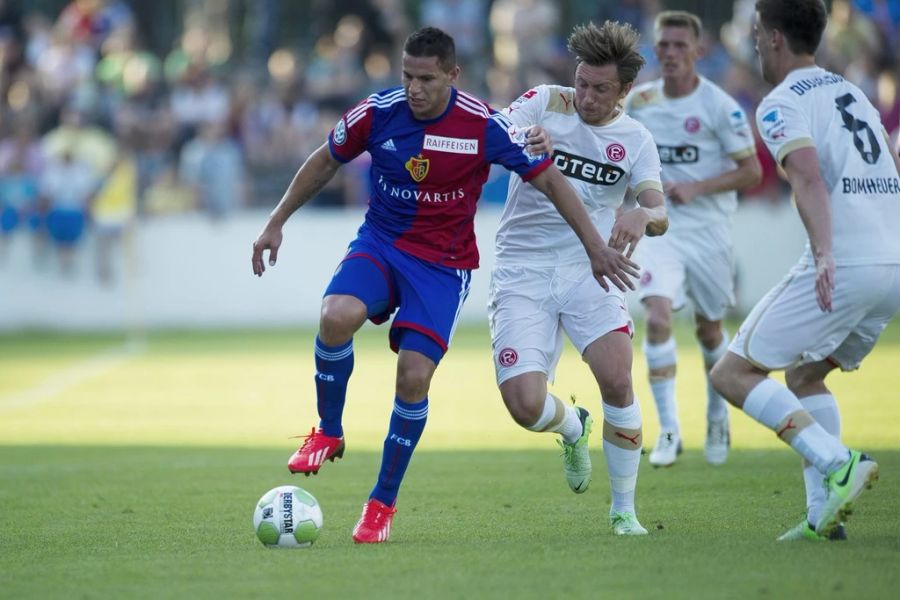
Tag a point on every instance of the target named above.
point(871, 185)
point(586, 169)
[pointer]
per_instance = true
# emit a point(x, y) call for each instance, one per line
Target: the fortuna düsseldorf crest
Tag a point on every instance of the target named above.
point(417, 167)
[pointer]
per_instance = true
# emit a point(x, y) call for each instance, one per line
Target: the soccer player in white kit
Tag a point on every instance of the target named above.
point(542, 285)
point(831, 307)
point(707, 152)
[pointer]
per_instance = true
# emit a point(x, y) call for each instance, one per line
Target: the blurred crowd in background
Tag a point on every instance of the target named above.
point(100, 130)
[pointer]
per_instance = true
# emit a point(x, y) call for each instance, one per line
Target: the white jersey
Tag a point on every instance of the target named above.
point(699, 136)
point(815, 108)
point(600, 162)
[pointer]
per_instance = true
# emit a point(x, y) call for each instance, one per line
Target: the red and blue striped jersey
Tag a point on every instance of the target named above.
point(426, 176)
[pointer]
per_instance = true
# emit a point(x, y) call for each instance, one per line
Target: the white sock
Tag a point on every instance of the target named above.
point(716, 407)
point(623, 457)
point(824, 410)
point(660, 356)
point(567, 424)
point(776, 407)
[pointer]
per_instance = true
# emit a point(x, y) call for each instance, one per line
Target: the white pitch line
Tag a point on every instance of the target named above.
point(59, 382)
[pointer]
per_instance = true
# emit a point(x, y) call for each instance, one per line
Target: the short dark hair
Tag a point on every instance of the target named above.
point(679, 18)
point(611, 43)
point(431, 41)
point(801, 21)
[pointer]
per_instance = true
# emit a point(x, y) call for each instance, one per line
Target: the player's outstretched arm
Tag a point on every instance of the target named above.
point(647, 218)
point(606, 262)
point(747, 174)
point(309, 180)
point(802, 169)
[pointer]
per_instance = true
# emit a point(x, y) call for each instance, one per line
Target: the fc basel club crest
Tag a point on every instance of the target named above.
point(417, 167)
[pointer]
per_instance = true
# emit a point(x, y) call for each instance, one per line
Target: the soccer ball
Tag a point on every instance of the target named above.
point(287, 517)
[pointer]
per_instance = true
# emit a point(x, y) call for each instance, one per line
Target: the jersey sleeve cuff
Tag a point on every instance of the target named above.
point(647, 185)
point(537, 170)
point(791, 146)
point(745, 153)
point(334, 153)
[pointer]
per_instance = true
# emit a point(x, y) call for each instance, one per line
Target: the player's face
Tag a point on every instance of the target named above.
point(764, 51)
point(598, 92)
point(677, 49)
point(427, 85)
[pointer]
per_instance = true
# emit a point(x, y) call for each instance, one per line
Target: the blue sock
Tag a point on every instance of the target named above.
point(333, 368)
point(407, 424)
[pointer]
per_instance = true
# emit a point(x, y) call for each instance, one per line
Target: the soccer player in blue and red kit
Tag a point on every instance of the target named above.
point(431, 146)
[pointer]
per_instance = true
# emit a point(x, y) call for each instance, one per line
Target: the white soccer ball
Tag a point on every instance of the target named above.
point(287, 517)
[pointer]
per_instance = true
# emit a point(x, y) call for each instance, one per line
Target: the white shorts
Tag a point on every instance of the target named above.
point(695, 264)
point(787, 328)
point(530, 307)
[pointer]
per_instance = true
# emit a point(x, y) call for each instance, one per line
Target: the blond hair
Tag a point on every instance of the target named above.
point(611, 43)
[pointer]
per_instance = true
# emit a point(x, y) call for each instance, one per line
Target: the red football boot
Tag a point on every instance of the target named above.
point(374, 526)
point(316, 449)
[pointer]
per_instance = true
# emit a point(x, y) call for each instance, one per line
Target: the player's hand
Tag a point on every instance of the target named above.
point(682, 192)
point(628, 230)
point(538, 141)
point(269, 239)
point(824, 280)
point(611, 264)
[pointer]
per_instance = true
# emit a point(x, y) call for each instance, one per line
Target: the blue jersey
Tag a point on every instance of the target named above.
point(426, 176)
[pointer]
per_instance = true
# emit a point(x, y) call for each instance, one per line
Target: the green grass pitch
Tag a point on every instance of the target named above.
point(131, 470)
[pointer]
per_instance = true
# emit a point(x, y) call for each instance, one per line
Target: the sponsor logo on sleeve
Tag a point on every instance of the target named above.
point(340, 133)
point(522, 99)
point(773, 124)
point(738, 122)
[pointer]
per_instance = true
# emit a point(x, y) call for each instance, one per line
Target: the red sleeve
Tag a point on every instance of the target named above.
point(537, 169)
point(350, 135)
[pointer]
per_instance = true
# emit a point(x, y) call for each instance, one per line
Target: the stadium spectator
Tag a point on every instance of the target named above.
point(19, 197)
point(707, 151)
point(415, 251)
point(830, 309)
point(197, 99)
point(112, 212)
point(542, 286)
point(212, 163)
point(67, 186)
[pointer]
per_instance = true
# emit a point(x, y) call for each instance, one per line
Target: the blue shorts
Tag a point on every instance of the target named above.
point(428, 298)
point(65, 225)
point(9, 218)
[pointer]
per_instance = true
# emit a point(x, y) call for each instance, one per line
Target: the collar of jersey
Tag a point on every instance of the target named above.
point(440, 116)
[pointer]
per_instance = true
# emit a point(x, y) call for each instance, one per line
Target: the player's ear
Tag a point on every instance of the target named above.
point(626, 87)
point(454, 74)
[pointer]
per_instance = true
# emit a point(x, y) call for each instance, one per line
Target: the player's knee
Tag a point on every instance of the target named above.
point(804, 382)
point(659, 327)
point(524, 406)
point(616, 388)
point(413, 381)
point(709, 334)
point(340, 318)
